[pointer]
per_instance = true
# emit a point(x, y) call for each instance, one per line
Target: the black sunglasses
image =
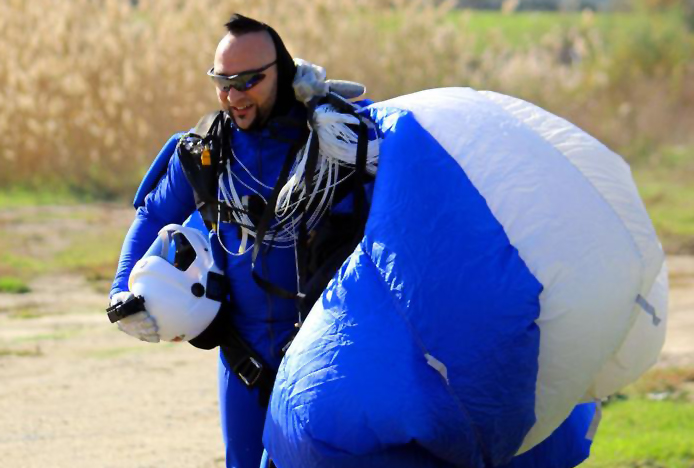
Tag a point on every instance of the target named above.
point(241, 82)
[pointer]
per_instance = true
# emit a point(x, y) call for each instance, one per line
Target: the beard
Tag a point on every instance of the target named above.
point(257, 120)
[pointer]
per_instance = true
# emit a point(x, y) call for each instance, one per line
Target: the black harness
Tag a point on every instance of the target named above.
point(320, 253)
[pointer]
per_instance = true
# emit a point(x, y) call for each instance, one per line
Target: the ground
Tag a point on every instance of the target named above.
point(75, 392)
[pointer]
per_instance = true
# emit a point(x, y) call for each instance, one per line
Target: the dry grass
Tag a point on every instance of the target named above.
point(92, 89)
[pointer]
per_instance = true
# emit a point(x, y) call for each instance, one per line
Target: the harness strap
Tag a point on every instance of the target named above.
point(326, 267)
point(302, 238)
point(267, 216)
point(250, 368)
point(247, 364)
point(302, 241)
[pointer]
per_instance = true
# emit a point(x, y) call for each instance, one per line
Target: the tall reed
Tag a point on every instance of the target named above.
point(91, 89)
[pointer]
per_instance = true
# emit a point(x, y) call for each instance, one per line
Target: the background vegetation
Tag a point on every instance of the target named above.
point(649, 425)
point(91, 90)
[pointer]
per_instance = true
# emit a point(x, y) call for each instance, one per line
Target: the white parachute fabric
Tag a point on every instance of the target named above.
point(508, 272)
point(570, 207)
point(611, 177)
point(642, 345)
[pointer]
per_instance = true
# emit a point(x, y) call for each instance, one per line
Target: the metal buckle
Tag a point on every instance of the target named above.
point(249, 370)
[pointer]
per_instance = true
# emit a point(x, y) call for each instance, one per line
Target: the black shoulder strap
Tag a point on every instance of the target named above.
point(205, 123)
point(265, 220)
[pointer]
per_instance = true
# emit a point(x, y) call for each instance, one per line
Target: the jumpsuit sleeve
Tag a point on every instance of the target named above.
point(171, 201)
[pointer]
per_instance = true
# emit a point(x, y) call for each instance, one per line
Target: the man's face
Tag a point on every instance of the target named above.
point(238, 54)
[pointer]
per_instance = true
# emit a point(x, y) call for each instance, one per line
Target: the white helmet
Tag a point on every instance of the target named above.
point(181, 286)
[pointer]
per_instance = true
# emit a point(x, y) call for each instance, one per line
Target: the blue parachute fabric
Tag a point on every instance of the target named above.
point(568, 446)
point(423, 351)
point(156, 170)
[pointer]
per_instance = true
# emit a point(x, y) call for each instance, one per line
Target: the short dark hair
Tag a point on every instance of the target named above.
point(239, 25)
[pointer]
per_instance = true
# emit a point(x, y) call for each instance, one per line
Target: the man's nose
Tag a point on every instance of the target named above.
point(234, 95)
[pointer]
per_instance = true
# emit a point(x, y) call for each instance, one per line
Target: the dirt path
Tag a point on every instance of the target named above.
point(75, 392)
point(679, 343)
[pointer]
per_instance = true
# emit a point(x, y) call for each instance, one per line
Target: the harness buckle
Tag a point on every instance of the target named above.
point(248, 370)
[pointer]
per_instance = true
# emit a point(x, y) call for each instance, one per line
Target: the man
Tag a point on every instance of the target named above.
point(253, 74)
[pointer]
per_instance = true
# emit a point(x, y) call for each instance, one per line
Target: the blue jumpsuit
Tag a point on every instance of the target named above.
point(263, 320)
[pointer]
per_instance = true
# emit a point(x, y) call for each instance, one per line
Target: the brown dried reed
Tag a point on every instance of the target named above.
point(90, 89)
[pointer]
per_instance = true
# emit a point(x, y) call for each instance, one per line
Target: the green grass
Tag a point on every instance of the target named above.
point(58, 335)
point(525, 29)
point(127, 350)
point(94, 256)
point(665, 184)
point(649, 425)
point(17, 264)
point(18, 196)
point(643, 433)
point(92, 252)
point(20, 352)
point(22, 265)
point(26, 313)
point(10, 284)
point(521, 30)
point(116, 352)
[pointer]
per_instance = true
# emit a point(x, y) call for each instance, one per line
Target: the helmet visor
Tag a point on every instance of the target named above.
point(173, 247)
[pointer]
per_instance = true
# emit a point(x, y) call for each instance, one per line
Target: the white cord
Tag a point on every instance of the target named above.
point(337, 148)
point(248, 172)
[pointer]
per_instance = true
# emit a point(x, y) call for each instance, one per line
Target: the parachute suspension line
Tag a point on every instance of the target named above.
point(306, 186)
point(232, 174)
point(248, 172)
point(296, 267)
point(337, 139)
point(334, 183)
point(219, 238)
point(233, 200)
point(338, 148)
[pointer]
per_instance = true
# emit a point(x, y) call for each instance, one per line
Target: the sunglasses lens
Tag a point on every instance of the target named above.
point(253, 80)
point(222, 83)
point(239, 83)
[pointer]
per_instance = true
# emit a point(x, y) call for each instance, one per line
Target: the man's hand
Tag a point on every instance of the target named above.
point(140, 325)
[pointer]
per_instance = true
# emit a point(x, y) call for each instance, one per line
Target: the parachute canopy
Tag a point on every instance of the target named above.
point(508, 272)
